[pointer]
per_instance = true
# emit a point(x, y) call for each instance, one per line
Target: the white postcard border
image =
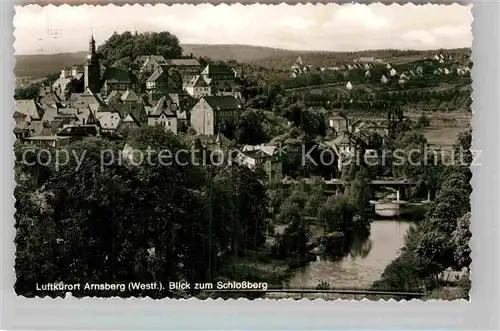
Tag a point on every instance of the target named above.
point(479, 314)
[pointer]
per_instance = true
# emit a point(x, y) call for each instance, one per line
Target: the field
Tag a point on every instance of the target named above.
point(36, 66)
point(442, 137)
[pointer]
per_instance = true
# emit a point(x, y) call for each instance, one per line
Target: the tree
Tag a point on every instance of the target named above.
point(358, 191)
point(295, 237)
point(336, 213)
point(461, 237)
point(142, 221)
point(422, 122)
point(27, 93)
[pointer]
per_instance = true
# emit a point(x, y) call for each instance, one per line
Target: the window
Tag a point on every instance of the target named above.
point(169, 123)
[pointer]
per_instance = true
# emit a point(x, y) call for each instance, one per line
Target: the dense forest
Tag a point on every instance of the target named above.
point(442, 240)
point(82, 223)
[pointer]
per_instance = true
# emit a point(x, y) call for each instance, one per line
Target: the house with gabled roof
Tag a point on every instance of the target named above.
point(114, 97)
point(117, 79)
point(265, 156)
point(188, 68)
point(27, 111)
point(109, 121)
point(128, 124)
point(32, 129)
point(136, 110)
point(64, 87)
point(157, 82)
point(346, 145)
point(318, 110)
point(221, 76)
point(130, 96)
point(199, 86)
point(153, 63)
point(83, 100)
point(338, 122)
point(209, 112)
point(140, 59)
point(184, 103)
point(163, 114)
point(49, 99)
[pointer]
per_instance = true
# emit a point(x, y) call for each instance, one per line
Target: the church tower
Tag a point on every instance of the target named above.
point(92, 72)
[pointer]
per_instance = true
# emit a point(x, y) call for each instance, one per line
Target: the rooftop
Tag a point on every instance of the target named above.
point(225, 102)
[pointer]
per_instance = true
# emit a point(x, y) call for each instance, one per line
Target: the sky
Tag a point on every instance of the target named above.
point(331, 27)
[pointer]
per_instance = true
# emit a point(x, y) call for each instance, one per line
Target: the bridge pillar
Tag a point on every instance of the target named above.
point(401, 193)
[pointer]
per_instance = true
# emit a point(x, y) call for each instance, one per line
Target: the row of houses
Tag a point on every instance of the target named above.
point(123, 111)
point(368, 63)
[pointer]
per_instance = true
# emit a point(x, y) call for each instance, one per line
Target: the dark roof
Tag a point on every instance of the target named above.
point(158, 58)
point(197, 81)
point(136, 109)
point(114, 96)
point(79, 100)
point(226, 102)
point(217, 69)
point(130, 96)
point(164, 106)
point(157, 75)
point(79, 130)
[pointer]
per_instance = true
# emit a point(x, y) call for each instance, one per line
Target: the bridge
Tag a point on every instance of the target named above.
point(349, 292)
point(399, 185)
point(340, 182)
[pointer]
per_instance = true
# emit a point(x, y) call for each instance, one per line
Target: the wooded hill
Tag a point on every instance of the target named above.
point(36, 66)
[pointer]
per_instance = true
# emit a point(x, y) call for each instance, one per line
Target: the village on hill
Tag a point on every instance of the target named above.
point(178, 94)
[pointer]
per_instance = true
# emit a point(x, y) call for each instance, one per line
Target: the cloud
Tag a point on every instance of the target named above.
point(420, 37)
point(330, 27)
point(359, 16)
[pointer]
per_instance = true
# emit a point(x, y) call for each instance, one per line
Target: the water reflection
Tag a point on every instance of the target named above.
point(363, 258)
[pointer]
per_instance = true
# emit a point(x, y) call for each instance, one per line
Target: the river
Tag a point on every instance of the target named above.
point(364, 263)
